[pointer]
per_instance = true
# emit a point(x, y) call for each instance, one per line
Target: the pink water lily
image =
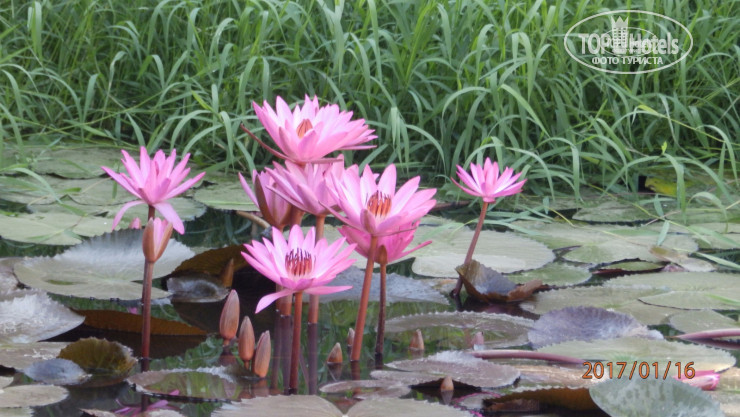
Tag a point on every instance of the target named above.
point(379, 209)
point(310, 132)
point(485, 181)
point(300, 264)
point(306, 186)
point(395, 244)
point(274, 209)
point(154, 181)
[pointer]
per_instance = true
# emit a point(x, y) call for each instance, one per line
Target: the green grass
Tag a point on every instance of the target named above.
point(442, 83)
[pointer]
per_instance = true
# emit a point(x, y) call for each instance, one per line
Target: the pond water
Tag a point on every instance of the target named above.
point(216, 229)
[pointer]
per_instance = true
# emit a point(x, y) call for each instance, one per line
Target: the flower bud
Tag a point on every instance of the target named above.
point(262, 354)
point(229, 322)
point(417, 341)
point(246, 340)
point(335, 356)
point(156, 236)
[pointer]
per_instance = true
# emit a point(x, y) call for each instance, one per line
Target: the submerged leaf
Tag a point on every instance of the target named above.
point(585, 323)
point(570, 398)
point(127, 322)
point(366, 389)
point(639, 397)
point(79, 272)
point(188, 383)
point(30, 316)
point(450, 330)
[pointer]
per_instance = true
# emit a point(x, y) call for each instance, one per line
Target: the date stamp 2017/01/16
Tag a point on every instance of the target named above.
point(635, 369)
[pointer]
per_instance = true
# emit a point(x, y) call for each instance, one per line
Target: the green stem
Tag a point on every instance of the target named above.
point(362, 312)
point(471, 248)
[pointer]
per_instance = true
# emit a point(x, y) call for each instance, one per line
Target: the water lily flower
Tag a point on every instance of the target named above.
point(274, 208)
point(485, 181)
point(395, 244)
point(310, 132)
point(377, 208)
point(154, 181)
point(300, 264)
point(306, 186)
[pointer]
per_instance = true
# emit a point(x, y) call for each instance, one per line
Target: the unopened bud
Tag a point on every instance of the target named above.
point(262, 354)
point(246, 340)
point(447, 385)
point(478, 340)
point(350, 336)
point(229, 322)
point(417, 341)
point(335, 356)
point(226, 277)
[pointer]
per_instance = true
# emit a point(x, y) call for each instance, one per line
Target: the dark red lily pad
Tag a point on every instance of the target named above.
point(489, 285)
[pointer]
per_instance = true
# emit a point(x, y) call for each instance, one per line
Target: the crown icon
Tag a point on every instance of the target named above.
point(619, 24)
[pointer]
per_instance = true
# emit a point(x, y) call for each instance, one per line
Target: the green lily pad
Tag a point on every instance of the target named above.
point(30, 316)
point(639, 397)
point(612, 211)
point(104, 267)
point(77, 163)
point(52, 228)
point(226, 195)
point(504, 252)
point(460, 367)
point(624, 299)
point(713, 235)
point(313, 406)
point(688, 290)
point(99, 356)
point(605, 244)
point(635, 349)
point(701, 320)
point(454, 330)
point(555, 274)
point(585, 323)
point(23, 355)
point(633, 266)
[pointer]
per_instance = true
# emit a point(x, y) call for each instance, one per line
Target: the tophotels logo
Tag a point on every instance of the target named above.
point(628, 42)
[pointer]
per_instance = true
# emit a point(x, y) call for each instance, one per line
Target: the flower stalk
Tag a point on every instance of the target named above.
point(379, 340)
point(364, 298)
point(471, 248)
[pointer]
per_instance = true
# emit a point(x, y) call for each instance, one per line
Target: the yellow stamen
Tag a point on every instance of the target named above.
point(379, 204)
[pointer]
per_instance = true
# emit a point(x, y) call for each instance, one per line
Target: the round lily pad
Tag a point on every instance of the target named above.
point(503, 252)
point(77, 163)
point(624, 299)
point(54, 228)
point(636, 349)
point(30, 316)
point(56, 371)
point(103, 267)
point(612, 211)
point(187, 383)
point(99, 356)
point(688, 290)
point(454, 330)
point(31, 396)
point(701, 320)
point(555, 274)
point(639, 397)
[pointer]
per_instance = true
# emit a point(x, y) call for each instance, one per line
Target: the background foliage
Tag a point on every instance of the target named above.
point(441, 82)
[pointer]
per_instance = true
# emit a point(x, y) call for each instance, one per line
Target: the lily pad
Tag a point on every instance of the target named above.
point(572, 398)
point(225, 195)
point(451, 330)
point(636, 349)
point(365, 389)
point(54, 228)
point(460, 367)
point(30, 396)
point(539, 375)
point(555, 274)
point(188, 384)
point(612, 211)
point(701, 320)
point(639, 397)
point(688, 290)
point(78, 272)
point(23, 355)
point(30, 316)
point(313, 406)
point(629, 266)
point(624, 299)
point(56, 371)
point(605, 244)
point(585, 323)
point(99, 356)
point(77, 163)
point(399, 288)
point(504, 252)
